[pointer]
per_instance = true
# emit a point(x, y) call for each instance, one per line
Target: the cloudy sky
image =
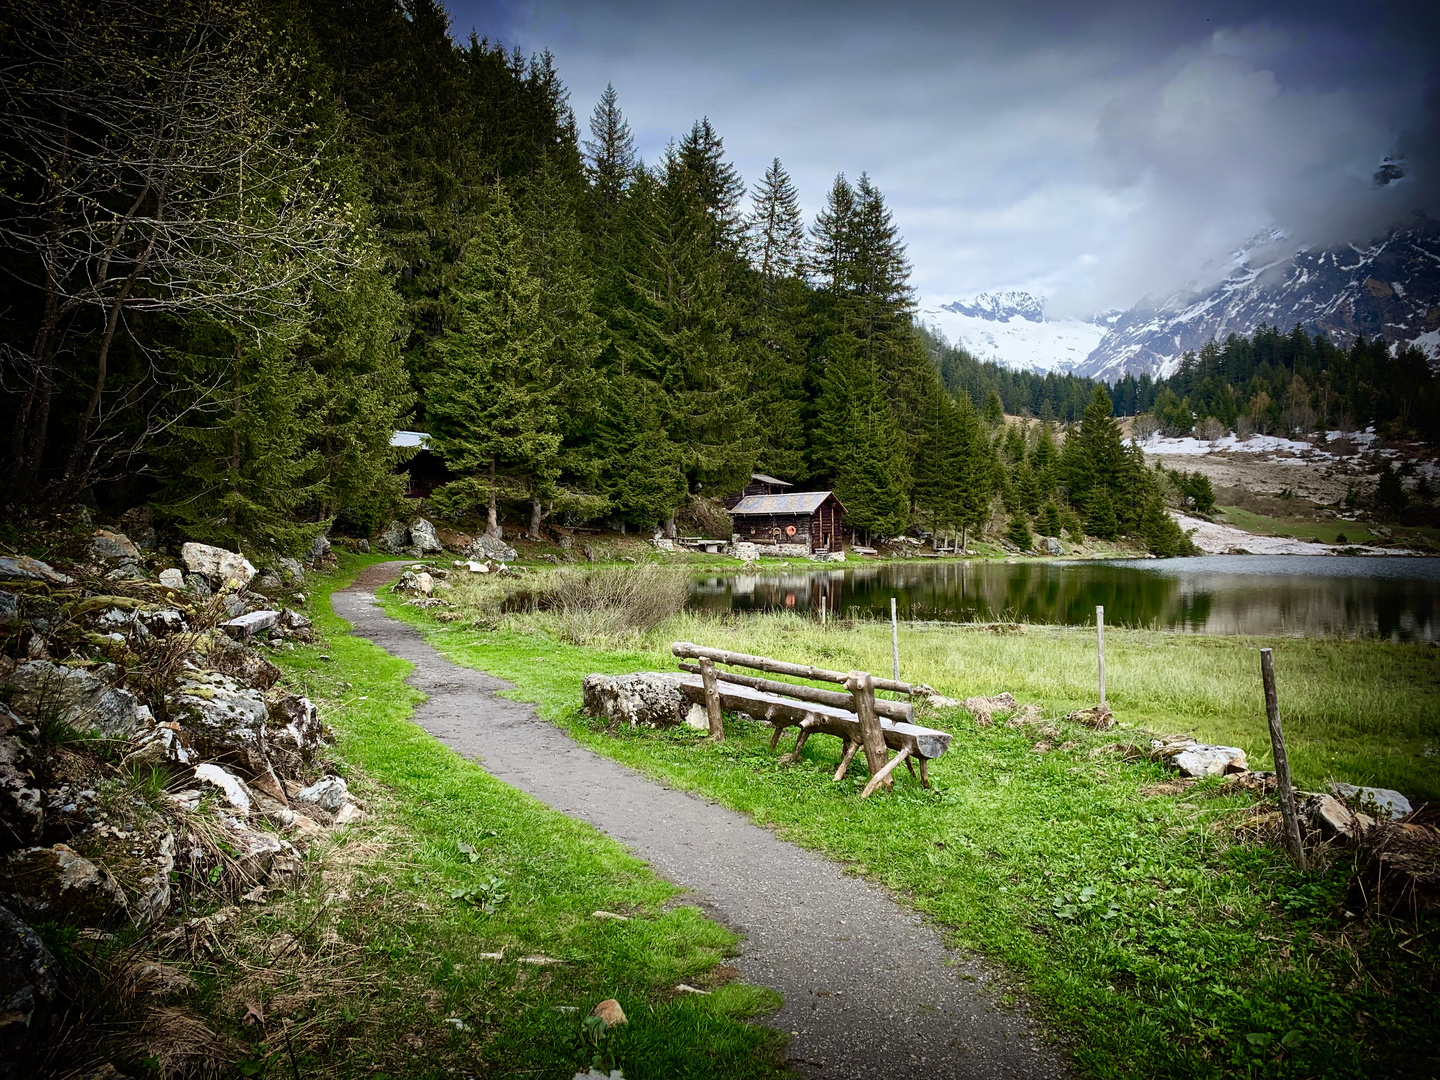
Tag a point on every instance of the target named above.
point(1089, 156)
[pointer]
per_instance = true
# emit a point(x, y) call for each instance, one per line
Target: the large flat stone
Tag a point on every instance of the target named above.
point(216, 564)
point(247, 626)
point(75, 696)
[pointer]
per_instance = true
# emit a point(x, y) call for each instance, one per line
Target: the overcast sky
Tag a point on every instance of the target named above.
point(1087, 156)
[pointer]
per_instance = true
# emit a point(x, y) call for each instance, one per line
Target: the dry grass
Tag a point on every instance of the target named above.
point(605, 605)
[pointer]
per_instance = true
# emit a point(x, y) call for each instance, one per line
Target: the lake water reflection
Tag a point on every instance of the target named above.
point(1392, 597)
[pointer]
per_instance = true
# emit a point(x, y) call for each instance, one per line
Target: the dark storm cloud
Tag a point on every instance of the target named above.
point(1090, 155)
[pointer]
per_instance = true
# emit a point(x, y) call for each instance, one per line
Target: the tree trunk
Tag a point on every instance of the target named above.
point(537, 515)
point(670, 526)
point(32, 420)
point(492, 513)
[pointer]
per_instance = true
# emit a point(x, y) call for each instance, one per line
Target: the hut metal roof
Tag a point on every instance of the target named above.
point(795, 502)
point(763, 479)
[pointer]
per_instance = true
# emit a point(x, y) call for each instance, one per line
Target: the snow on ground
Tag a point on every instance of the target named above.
point(1216, 539)
point(1189, 446)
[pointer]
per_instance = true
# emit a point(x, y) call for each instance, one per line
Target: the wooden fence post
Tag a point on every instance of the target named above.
point(1282, 763)
point(822, 609)
point(862, 688)
point(712, 699)
point(1100, 647)
point(894, 641)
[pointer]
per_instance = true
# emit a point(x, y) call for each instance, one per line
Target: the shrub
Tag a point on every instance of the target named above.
point(605, 604)
point(1019, 533)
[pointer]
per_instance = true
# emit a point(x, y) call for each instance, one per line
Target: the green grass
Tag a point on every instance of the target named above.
point(1327, 531)
point(1150, 937)
point(410, 956)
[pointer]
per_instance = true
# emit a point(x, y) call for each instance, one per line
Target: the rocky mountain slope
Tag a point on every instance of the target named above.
point(1389, 287)
point(1011, 328)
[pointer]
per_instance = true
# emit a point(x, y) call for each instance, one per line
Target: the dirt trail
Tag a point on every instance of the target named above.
point(870, 989)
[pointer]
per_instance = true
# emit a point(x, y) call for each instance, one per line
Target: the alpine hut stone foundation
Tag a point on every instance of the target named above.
point(800, 523)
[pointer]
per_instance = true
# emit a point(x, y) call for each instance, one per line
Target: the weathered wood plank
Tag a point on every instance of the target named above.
point(780, 667)
point(892, 710)
point(783, 713)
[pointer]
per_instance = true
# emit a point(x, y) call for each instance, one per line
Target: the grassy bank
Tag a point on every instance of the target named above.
point(404, 954)
point(1151, 929)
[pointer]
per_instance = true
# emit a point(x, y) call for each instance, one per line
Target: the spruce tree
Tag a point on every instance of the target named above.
point(715, 181)
point(774, 228)
point(493, 411)
point(833, 240)
point(609, 156)
point(994, 410)
point(1100, 519)
point(1048, 524)
point(1018, 533)
point(873, 475)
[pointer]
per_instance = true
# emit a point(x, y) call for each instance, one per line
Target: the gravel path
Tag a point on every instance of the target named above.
point(870, 989)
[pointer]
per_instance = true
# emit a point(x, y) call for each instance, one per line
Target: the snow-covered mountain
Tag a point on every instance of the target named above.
point(1011, 328)
point(1389, 287)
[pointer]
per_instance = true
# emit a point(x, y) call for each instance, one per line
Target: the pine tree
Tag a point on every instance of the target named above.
point(1048, 524)
point(493, 412)
point(1100, 519)
point(716, 182)
point(975, 474)
point(1018, 533)
point(773, 332)
point(873, 478)
point(609, 153)
point(557, 260)
point(775, 229)
point(833, 240)
point(994, 411)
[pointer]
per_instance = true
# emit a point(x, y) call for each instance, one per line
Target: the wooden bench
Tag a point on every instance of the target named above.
point(856, 716)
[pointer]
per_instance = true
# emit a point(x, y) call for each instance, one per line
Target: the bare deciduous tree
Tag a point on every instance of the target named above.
point(153, 165)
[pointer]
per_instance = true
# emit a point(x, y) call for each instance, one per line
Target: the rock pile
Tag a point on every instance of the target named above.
point(146, 751)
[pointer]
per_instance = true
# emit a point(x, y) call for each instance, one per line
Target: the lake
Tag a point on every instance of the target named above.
point(1394, 597)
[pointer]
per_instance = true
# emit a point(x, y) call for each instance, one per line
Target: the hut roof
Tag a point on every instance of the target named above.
point(762, 478)
point(797, 502)
point(408, 439)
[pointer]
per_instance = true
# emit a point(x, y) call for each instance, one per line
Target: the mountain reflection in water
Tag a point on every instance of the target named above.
point(1388, 596)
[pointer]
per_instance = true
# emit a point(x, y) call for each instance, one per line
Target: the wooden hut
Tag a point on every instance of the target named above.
point(760, 484)
point(423, 468)
point(809, 518)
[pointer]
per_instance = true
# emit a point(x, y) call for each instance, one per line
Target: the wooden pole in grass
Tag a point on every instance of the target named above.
point(712, 699)
point(822, 609)
point(1100, 647)
point(1282, 763)
point(894, 641)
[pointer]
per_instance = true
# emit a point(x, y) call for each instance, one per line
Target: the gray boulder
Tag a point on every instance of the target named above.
point(112, 547)
point(241, 662)
point(56, 883)
point(319, 549)
point(224, 720)
point(28, 569)
point(27, 989)
point(254, 851)
point(295, 729)
point(295, 625)
point(46, 692)
point(329, 793)
point(394, 539)
point(423, 539)
point(490, 547)
point(217, 565)
point(267, 582)
point(162, 622)
point(9, 610)
point(22, 811)
point(1381, 803)
point(291, 570)
point(197, 584)
point(1053, 546)
point(231, 788)
point(1194, 759)
point(643, 699)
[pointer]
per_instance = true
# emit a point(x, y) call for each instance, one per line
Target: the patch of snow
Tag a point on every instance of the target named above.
point(1215, 539)
point(1256, 444)
point(1429, 344)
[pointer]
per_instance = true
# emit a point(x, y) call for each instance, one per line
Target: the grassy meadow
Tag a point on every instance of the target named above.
point(453, 932)
point(1154, 928)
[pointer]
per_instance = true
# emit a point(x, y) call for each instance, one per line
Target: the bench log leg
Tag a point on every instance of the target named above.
point(775, 737)
point(924, 777)
point(884, 774)
point(910, 764)
point(851, 746)
point(794, 755)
